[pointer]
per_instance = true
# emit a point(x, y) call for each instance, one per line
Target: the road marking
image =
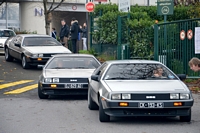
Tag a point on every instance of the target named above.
point(2, 86)
point(24, 89)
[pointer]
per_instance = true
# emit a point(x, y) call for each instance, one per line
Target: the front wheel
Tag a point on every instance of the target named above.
point(8, 57)
point(40, 94)
point(25, 65)
point(103, 117)
point(186, 118)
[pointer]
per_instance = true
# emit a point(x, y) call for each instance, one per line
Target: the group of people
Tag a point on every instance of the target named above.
point(71, 32)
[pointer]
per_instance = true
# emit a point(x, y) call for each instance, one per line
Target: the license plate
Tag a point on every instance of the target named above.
point(73, 85)
point(151, 105)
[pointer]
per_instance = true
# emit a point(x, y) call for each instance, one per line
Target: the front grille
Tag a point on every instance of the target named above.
point(73, 80)
point(155, 96)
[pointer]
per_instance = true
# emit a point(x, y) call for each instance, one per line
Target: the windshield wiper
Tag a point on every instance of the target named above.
point(60, 68)
point(80, 67)
point(117, 78)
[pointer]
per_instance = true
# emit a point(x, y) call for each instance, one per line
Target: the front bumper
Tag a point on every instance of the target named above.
point(61, 90)
point(112, 108)
point(2, 50)
point(37, 61)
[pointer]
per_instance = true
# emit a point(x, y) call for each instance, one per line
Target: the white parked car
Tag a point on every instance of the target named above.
point(4, 35)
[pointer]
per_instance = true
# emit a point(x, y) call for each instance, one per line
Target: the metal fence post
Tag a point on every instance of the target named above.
point(119, 35)
point(156, 42)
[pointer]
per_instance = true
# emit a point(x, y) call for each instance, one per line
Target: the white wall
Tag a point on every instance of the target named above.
point(29, 21)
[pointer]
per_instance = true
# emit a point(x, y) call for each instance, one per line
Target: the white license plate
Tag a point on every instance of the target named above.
point(151, 105)
point(73, 85)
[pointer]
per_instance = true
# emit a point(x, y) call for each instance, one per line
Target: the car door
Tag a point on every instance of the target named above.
point(15, 47)
point(95, 84)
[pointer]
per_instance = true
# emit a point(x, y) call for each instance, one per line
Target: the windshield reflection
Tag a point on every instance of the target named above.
point(138, 71)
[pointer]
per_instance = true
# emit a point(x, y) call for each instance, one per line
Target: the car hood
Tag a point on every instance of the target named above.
point(47, 49)
point(146, 86)
point(68, 73)
point(3, 39)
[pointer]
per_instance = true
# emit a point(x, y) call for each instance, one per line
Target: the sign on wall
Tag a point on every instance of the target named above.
point(124, 5)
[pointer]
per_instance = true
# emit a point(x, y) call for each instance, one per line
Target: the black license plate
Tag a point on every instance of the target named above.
point(151, 105)
point(73, 85)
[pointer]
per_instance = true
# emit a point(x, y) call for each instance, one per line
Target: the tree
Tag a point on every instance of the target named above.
point(2, 2)
point(47, 13)
point(185, 2)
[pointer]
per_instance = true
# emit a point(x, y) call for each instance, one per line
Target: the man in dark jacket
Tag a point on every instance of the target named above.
point(64, 33)
point(75, 29)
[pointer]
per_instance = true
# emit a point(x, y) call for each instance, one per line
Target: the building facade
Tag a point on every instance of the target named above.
point(28, 15)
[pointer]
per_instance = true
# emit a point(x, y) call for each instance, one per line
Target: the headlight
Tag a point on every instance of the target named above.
point(55, 80)
point(184, 96)
point(174, 96)
point(34, 55)
point(116, 96)
point(48, 80)
point(126, 96)
point(40, 55)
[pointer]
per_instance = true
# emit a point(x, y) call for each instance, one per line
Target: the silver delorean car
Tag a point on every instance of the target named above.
point(66, 74)
point(138, 88)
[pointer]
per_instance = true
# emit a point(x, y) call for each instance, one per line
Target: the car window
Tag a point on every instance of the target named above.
point(40, 41)
point(7, 33)
point(99, 69)
point(17, 40)
point(138, 71)
point(73, 63)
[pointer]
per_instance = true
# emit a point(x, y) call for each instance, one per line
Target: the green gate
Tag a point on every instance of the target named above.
point(117, 51)
point(123, 49)
point(174, 45)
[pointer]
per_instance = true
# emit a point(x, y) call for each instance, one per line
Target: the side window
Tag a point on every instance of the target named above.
point(99, 69)
point(17, 40)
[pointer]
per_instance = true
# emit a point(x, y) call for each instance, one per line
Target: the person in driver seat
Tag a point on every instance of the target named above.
point(158, 72)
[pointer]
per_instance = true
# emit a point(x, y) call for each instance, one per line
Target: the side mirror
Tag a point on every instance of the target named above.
point(95, 77)
point(17, 45)
point(181, 76)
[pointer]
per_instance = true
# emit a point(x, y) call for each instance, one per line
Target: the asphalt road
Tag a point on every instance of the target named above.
point(25, 113)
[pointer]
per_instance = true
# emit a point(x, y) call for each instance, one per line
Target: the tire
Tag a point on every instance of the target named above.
point(25, 65)
point(8, 57)
point(186, 118)
point(91, 104)
point(40, 94)
point(102, 116)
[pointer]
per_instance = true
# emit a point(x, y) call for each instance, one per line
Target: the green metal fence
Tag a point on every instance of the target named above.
point(117, 51)
point(172, 46)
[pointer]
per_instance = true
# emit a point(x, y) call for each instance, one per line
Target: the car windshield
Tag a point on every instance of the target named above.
point(40, 41)
point(73, 63)
point(138, 72)
point(7, 33)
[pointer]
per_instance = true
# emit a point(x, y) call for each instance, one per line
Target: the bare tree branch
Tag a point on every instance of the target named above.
point(2, 2)
point(56, 6)
point(51, 5)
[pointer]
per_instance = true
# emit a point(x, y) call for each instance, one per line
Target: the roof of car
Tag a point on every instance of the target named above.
point(7, 29)
point(33, 35)
point(132, 61)
point(76, 55)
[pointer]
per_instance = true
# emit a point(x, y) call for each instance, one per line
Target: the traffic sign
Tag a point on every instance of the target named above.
point(124, 5)
point(182, 35)
point(189, 34)
point(165, 7)
point(90, 6)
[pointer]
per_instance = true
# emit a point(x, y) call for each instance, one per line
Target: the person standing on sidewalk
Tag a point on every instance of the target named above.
point(53, 33)
point(75, 29)
point(84, 36)
point(64, 33)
